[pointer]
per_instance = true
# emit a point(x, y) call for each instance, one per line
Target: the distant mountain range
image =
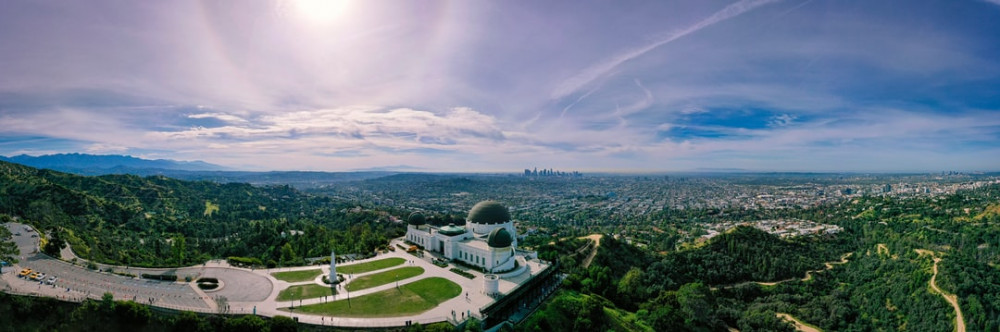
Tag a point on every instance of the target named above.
point(88, 164)
point(100, 164)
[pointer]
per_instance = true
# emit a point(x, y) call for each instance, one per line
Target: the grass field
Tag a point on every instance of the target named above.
point(382, 278)
point(297, 276)
point(370, 266)
point(302, 292)
point(409, 299)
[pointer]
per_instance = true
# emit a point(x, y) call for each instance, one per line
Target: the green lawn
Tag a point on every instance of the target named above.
point(409, 299)
point(370, 266)
point(297, 276)
point(302, 292)
point(382, 278)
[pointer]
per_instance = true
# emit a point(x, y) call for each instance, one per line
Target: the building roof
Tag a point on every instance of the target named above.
point(451, 230)
point(500, 238)
point(489, 212)
point(416, 219)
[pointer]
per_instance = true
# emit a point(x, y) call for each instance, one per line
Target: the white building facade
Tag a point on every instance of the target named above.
point(487, 240)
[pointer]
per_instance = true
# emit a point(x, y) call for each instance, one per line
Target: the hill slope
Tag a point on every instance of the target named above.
point(157, 220)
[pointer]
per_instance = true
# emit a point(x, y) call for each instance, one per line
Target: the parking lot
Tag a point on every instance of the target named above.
point(75, 282)
point(93, 283)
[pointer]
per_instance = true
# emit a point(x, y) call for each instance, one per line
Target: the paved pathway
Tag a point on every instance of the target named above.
point(593, 251)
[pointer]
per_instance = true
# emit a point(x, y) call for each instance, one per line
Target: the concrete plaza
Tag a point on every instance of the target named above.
point(245, 290)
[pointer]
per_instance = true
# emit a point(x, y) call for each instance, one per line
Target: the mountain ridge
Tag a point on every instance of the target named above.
point(84, 163)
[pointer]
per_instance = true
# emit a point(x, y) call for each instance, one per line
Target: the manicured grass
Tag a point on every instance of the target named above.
point(382, 278)
point(409, 299)
point(297, 276)
point(370, 266)
point(302, 292)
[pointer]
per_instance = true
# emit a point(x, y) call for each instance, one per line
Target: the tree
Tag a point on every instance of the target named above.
point(696, 303)
point(108, 302)
point(284, 324)
point(246, 323)
point(288, 255)
point(8, 249)
point(190, 322)
point(55, 244)
point(179, 248)
point(631, 288)
point(134, 314)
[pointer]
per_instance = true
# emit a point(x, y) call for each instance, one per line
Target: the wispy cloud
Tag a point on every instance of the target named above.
point(221, 116)
point(800, 84)
point(387, 128)
point(782, 120)
point(573, 84)
point(102, 148)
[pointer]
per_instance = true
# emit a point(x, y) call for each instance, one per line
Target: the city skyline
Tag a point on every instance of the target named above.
point(758, 85)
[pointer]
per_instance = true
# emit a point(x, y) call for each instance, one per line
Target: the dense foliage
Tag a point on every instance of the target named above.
point(883, 286)
point(129, 220)
point(23, 313)
point(744, 278)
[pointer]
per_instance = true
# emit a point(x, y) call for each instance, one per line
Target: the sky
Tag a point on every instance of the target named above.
point(470, 86)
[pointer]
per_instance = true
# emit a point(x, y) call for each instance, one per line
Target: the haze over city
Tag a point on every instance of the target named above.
point(758, 85)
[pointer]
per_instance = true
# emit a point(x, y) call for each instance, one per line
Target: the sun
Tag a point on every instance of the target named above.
point(321, 11)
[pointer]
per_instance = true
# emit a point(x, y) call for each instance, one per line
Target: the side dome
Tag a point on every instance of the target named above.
point(416, 219)
point(500, 238)
point(489, 212)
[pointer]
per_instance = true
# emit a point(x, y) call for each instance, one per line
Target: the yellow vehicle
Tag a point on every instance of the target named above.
point(33, 275)
point(25, 272)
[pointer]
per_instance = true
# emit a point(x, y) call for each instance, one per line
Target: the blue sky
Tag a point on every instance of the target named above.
point(769, 85)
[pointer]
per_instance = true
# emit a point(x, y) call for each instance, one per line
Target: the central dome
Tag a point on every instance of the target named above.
point(417, 219)
point(489, 212)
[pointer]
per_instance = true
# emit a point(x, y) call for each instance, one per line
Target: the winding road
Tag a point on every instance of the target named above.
point(593, 252)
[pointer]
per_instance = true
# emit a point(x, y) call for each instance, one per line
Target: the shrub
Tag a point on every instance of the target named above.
point(463, 273)
point(244, 261)
point(163, 277)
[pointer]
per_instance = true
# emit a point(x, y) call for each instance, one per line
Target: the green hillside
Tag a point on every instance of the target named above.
point(143, 221)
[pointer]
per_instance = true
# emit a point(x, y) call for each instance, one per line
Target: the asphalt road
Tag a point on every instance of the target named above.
point(75, 281)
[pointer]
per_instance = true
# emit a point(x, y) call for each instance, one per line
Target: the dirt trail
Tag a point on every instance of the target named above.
point(828, 265)
point(799, 325)
point(951, 298)
point(593, 250)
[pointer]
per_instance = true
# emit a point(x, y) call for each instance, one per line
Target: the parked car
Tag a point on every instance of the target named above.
point(52, 280)
point(39, 277)
point(24, 273)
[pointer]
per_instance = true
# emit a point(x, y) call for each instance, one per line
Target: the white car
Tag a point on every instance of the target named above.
point(52, 280)
point(40, 276)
